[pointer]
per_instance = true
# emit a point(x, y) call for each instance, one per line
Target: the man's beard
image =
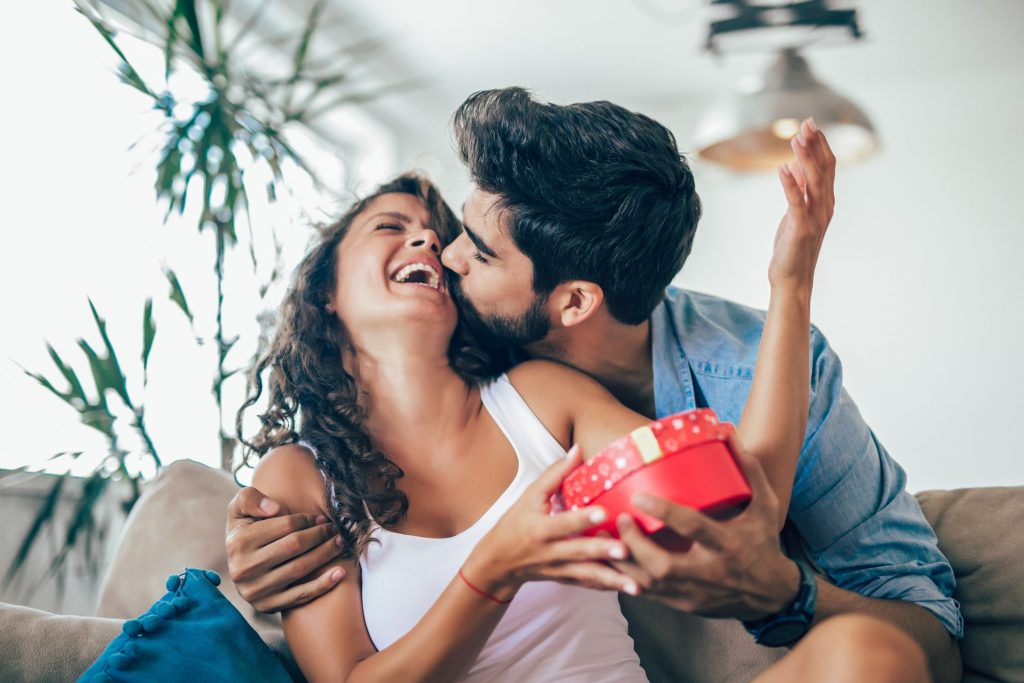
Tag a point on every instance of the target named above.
point(502, 330)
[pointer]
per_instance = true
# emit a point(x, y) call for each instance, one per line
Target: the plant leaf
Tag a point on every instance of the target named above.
point(44, 516)
point(115, 377)
point(148, 335)
point(177, 295)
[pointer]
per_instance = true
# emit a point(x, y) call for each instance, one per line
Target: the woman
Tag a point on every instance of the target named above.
point(387, 390)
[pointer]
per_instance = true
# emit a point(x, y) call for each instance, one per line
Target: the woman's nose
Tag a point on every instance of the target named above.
point(427, 238)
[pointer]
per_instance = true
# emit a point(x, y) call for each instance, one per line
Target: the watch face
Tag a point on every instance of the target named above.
point(783, 632)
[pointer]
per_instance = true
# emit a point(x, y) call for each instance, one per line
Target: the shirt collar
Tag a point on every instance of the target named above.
point(673, 384)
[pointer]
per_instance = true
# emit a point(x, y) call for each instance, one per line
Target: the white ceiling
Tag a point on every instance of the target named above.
point(628, 52)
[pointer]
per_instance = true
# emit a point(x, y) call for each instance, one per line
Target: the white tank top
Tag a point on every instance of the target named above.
point(550, 632)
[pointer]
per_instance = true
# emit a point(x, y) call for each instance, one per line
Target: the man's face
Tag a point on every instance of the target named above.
point(491, 280)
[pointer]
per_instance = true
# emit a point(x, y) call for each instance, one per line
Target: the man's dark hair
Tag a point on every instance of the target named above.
point(589, 191)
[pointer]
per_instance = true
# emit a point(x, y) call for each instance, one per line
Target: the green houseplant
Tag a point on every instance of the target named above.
point(209, 147)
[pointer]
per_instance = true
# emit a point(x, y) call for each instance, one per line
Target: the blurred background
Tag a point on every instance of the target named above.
point(284, 111)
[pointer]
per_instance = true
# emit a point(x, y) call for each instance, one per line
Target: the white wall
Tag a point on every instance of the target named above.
point(920, 286)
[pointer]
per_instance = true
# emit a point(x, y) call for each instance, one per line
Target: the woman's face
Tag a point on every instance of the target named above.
point(389, 274)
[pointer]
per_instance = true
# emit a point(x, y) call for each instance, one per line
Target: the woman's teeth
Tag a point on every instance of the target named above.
point(419, 274)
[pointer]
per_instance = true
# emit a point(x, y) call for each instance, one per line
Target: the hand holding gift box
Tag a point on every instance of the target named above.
point(684, 458)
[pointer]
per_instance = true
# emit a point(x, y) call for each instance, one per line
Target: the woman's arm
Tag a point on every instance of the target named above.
point(774, 418)
point(328, 636)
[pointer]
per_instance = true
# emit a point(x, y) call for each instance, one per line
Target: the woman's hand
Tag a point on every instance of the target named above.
point(809, 183)
point(530, 544)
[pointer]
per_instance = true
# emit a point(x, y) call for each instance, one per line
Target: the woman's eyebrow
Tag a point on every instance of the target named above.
point(396, 215)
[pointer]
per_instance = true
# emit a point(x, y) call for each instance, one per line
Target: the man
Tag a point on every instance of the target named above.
point(580, 218)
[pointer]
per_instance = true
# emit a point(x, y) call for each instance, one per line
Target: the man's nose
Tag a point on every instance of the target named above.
point(451, 257)
point(427, 238)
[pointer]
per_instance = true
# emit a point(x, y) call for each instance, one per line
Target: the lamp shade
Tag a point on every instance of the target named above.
point(751, 131)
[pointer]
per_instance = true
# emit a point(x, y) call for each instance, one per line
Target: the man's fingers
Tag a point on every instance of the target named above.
point(761, 490)
point(297, 545)
point(634, 571)
point(651, 557)
point(250, 502)
point(266, 531)
point(300, 594)
point(685, 521)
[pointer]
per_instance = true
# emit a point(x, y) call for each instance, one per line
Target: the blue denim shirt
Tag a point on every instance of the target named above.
point(849, 501)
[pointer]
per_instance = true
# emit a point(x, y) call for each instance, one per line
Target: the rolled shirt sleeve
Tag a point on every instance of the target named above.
point(852, 508)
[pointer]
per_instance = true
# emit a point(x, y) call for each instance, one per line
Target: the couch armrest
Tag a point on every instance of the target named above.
point(39, 646)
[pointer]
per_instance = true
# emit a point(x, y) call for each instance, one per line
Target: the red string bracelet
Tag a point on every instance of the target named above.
point(482, 593)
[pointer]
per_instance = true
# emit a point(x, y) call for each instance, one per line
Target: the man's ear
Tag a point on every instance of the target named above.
point(576, 301)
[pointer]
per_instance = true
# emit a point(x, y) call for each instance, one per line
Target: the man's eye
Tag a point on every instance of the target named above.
point(389, 226)
point(479, 257)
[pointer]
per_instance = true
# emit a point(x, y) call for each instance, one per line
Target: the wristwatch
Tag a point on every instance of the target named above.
point(789, 625)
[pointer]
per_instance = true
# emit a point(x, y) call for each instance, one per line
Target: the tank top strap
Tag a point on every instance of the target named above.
point(523, 429)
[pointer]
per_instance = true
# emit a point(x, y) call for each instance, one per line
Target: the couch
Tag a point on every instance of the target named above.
point(179, 522)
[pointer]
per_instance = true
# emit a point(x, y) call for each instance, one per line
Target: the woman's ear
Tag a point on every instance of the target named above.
point(576, 301)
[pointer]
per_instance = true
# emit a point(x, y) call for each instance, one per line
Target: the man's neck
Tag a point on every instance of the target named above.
point(616, 355)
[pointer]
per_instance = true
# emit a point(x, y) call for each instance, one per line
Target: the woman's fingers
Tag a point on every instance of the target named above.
point(580, 549)
point(572, 522)
point(592, 575)
point(791, 186)
point(549, 480)
point(808, 166)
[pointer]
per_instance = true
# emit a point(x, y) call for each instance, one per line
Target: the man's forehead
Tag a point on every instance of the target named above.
point(485, 215)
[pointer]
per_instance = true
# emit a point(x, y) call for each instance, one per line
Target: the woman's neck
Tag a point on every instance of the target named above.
point(417, 405)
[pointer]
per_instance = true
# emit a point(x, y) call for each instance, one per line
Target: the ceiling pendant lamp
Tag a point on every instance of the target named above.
point(751, 130)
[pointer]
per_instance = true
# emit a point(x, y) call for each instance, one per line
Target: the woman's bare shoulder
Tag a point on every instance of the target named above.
point(289, 474)
point(540, 378)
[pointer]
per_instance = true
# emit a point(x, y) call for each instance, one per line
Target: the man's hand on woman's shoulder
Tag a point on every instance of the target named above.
point(279, 561)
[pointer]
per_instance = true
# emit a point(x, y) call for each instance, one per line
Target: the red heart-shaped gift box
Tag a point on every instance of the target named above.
point(684, 458)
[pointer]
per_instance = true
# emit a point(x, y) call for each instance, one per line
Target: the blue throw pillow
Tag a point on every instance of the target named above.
point(192, 634)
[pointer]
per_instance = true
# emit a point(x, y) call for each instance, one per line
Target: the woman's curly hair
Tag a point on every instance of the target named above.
point(313, 398)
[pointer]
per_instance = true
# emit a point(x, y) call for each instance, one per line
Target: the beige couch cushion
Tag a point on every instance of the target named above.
point(43, 647)
point(981, 531)
point(179, 522)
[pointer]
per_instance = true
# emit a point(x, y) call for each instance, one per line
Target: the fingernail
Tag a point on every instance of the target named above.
point(321, 519)
point(631, 588)
point(617, 552)
point(597, 515)
point(337, 574)
point(799, 137)
point(338, 540)
point(643, 502)
point(268, 506)
point(784, 169)
point(812, 125)
point(623, 521)
point(572, 451)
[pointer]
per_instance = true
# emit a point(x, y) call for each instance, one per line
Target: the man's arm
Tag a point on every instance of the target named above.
point(736, 568)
